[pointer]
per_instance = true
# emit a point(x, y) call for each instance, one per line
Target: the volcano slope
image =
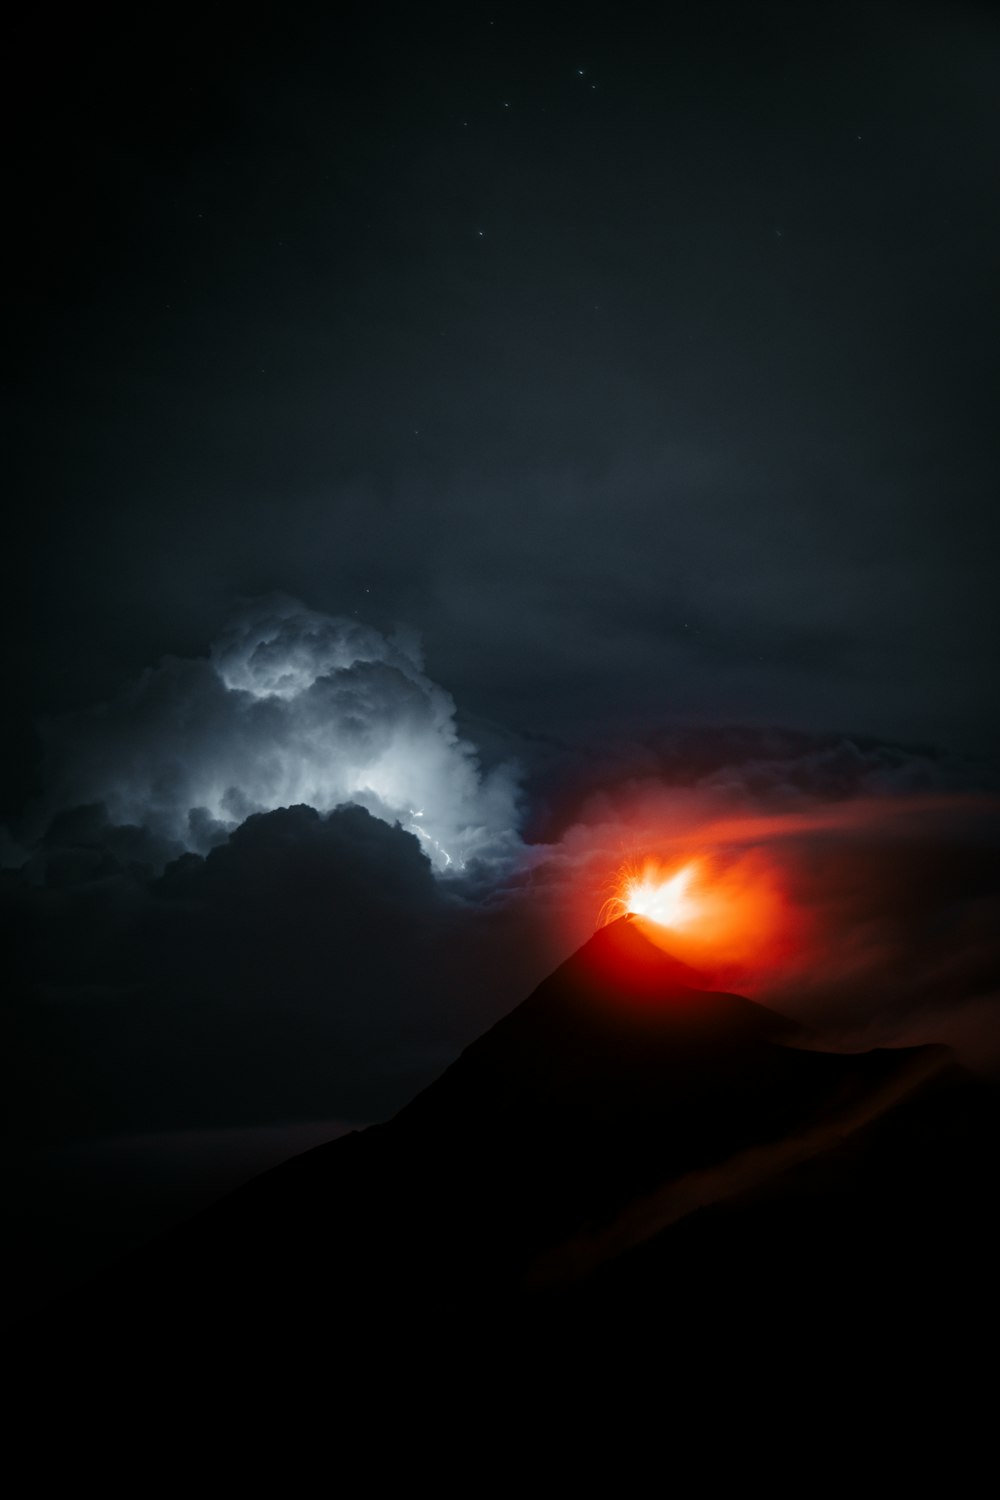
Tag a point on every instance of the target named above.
point(627, 1161)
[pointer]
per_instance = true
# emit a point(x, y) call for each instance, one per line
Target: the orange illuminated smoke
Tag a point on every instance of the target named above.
point(729, 918)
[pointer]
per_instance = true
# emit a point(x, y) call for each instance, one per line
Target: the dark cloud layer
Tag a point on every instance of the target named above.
point(770, 768)
point(309, 967)
point(641, 359)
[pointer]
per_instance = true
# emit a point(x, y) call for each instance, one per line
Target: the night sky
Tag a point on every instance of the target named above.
point(577, 421)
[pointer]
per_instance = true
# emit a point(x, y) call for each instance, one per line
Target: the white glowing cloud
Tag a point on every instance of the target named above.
point(293, 706)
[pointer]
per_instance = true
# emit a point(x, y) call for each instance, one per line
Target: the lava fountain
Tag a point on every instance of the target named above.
point(729, 919)
point(666, 899)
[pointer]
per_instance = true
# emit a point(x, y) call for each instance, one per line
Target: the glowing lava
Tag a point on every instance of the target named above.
point(668, 902)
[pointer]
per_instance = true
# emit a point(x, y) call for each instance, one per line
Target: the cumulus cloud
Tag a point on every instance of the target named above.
point(291, 707)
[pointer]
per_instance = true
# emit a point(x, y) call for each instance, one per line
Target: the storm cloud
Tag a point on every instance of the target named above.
point(291, 706)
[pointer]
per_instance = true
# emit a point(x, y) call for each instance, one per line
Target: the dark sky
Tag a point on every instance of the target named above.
point(642, 359)
point(640, 362)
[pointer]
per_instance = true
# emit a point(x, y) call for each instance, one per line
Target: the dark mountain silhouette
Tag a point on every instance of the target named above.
point(627, 1162)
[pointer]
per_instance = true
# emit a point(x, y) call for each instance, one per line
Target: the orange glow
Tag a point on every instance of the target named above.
point(725, 918)
point(780, 902)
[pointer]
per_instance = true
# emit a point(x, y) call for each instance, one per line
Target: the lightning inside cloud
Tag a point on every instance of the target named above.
point(291, 706)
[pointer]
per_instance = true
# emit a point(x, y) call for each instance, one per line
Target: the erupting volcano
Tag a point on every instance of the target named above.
point(731, 920)
point(624, 1132)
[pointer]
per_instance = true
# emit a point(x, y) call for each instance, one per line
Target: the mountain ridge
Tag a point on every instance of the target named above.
point(616, 1126)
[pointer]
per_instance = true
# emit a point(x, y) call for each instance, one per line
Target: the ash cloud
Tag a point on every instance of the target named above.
point(768, 767)
point(291, 707)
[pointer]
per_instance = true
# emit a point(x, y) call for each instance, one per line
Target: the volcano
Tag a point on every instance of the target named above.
point(626, 1159)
